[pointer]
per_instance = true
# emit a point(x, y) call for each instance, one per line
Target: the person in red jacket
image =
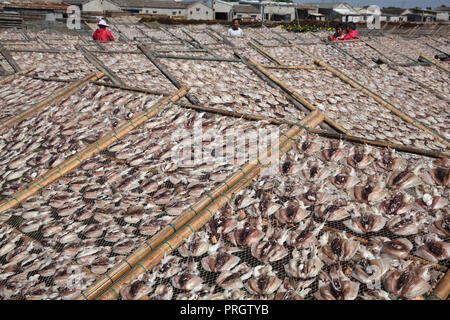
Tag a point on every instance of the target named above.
point(352, 33)
point(102, 34)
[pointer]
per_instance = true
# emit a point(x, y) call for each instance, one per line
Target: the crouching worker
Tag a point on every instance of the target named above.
point(352, 33)
point(339, 34)
point(102, 34)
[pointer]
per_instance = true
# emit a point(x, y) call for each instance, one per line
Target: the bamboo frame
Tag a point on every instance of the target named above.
point(5, 53)
point(129, 88)
point(442, 290)
point(52, 79)
point(96, 62)
point(190, 221)
point(297, 96)
point(288, 67)
point(166, 73)
point(381, 101)
point(58, 96)
point(438, 65)
point(76, 160)
point(265, 53)
point(10, 78)
point(322, 133)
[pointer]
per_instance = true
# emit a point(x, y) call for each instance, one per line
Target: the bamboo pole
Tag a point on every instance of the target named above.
point(165, 72)
point(198, 58)
point(438, 65)
point(5, 53)
point(297, 96)
point(55, 51)
point(10, 78)
point(322, 133)
point(53, 79)
point(381, 101)
point(265, 53)
point(58, 96)
point(128, 88)
point(197, 220)
point(74, 161)
point(291, 67)
point(442, 290)
point(96, 62)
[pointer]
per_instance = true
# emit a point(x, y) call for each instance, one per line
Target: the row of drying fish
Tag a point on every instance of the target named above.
point(32, 271)
point(23, 92)
point(100, 213)
point(233, 87)
point(136, 70)
point(36, 144)
point(55, 64)
point(382, 263)
point(287, 224)
point(354, 110)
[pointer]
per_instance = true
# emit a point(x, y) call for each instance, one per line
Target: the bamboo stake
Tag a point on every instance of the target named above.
point(297, 96)
point(442, 290)
point(96, 62)
point(265, 53)
point(128, 88)
point(381, 101)
point(166, 73)
point(10, 78)
point(438, 65)
point(322, 133)
point(74, 161)
point(58, 96)
point(196, 221)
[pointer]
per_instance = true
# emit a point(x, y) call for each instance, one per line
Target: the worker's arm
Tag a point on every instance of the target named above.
point(111, 38)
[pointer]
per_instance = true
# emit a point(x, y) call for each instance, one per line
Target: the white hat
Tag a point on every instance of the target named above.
point(102, 22)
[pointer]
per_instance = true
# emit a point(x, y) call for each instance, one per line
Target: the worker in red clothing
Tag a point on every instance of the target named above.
point(352, 33)
point(102, 34)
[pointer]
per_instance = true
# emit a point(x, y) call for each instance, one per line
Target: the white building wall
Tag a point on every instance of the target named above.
point(168, 12)
point(442, 16)
point(223, 7)
point(199, 11)
point(279, 10)
point(100, 5)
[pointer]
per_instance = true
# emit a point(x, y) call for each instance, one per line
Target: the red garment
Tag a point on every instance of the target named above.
point(352, 35)
point(102, 35)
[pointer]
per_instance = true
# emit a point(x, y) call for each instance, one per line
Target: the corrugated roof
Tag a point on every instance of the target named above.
point(446, 9)
point(155, 4)
point(35, 5)
point(393, 11)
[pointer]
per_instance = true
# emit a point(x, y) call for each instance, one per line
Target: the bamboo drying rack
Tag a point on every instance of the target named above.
point(61, 94)
point(11, 77)
point(382, 102)
point(190, 220)
point(90, 151)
